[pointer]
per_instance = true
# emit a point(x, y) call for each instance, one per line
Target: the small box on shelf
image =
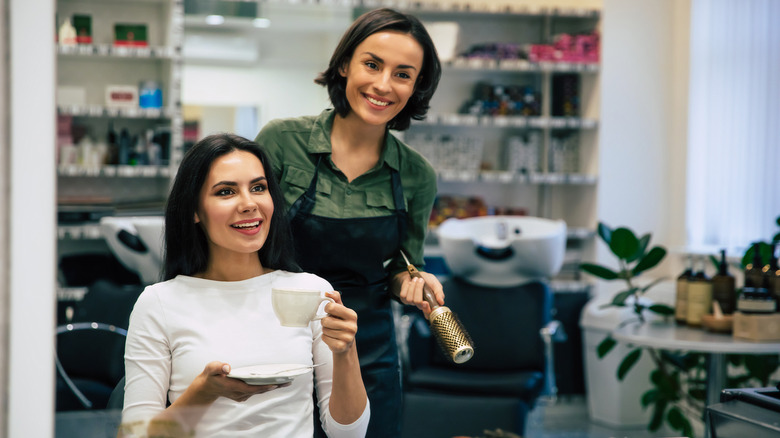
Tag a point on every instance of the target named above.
point(122, 96)
point(757, 327)
point(130, 35)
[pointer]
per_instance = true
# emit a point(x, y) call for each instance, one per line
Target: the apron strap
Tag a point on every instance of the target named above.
point(306, 201)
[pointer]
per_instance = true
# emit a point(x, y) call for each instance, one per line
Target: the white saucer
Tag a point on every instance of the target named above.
point(270, 373)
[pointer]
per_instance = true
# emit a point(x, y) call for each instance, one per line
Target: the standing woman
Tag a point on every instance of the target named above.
point(358, 195)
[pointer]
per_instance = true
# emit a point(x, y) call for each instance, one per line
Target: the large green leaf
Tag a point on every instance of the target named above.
point(605, 232)
point(640, 251)
point(649, 397)
point(677, 419)
point(667, 384)
point(624, 243)
point(715, 262)
point(620, 298)
point(658, 415)
point(761, 367)
point(652, 258)
point(735, 359)
point(628, 362)
point(661, 309)
point(698, 393)
point(776, 238)
point(599, 271)
point(605, 347)
point(765, 250)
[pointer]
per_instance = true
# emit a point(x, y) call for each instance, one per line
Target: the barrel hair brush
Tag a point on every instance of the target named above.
point(452, 337)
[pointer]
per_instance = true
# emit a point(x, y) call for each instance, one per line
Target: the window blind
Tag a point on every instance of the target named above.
point(733, 187)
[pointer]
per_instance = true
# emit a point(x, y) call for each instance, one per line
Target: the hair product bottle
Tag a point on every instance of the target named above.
point(754, 277)
point(681, 300)
point(723, 287)
point(699, 295)
point(772, 275)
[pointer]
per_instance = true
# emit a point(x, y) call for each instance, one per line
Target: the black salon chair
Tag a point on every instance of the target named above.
point(90, 347)
point(90, 363)
point(512, 330)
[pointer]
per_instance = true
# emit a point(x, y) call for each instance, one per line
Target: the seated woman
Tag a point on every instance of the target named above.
point(227, 244)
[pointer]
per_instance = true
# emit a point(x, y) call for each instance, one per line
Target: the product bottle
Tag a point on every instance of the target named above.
point(699, 295)
point(67, 33)
point(772, 276)
point(723, 287)
point(113, 145)
point(681, 301)
point(754, 277)
point(124, 147)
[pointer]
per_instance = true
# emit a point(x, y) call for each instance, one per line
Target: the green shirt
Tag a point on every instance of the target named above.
point(293, 145)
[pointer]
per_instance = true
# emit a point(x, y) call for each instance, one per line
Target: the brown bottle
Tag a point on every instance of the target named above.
point(772, 275)
point(724, 287)
point(681, 300)
point(754, 277)
point(699, 296)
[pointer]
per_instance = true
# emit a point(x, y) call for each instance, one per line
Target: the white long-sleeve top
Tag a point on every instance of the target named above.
point(180, 325)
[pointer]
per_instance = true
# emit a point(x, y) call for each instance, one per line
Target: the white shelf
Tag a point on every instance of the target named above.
point(120, 171)
point(540, 122)
point(111, 51)
point(493, 7)
point(79, 232)
point(116, 112)
point(520, 65)
point(569, 286)
point(71, 293)
point(504, 177)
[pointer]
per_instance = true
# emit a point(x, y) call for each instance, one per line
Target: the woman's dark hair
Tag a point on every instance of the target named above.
point(366, 25)
point(186, 246)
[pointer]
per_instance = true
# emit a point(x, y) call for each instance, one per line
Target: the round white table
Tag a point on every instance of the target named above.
point(669, 336)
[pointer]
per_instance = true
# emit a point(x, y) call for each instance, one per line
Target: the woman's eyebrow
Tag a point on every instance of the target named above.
point(233, 183)
point(378, 59)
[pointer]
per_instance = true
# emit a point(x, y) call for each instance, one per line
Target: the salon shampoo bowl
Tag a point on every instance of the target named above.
point(137, 242)
point(503, 251)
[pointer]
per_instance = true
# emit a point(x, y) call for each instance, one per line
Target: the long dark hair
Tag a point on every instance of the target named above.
point(366, 25)
point(186, 246)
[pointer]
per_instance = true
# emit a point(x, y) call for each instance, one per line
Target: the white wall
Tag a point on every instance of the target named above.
point(32, 217)
point(644, 121)
point(275, 92)
point(291, 53)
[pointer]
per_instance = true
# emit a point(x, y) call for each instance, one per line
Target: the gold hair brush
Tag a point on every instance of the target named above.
point(453, 339)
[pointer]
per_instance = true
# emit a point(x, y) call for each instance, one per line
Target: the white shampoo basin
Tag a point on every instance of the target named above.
point(503, 251)
point(137, 242)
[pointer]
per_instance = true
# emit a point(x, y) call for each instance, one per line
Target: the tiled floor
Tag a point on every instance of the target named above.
point(568, 418)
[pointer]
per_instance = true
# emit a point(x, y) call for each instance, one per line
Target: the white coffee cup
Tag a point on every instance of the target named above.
point(298, 307)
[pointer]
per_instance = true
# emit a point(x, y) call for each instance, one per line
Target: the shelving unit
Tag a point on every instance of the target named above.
point(92, 67)
point(88, 189)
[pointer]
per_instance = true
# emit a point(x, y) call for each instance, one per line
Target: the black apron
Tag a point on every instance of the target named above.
point(350, 254)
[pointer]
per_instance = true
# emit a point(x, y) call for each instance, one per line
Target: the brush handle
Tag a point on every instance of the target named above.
point(428, 294)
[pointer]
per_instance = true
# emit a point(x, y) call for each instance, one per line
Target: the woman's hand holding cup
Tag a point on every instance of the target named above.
point(340, 326)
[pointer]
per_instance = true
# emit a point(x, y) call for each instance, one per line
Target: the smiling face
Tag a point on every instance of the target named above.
point(381, 76)
point(235, 206)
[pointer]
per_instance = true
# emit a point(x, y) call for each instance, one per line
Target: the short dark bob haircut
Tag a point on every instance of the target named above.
point(186, 245)
point(380, 20)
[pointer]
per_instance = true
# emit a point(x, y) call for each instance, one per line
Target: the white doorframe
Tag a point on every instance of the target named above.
point(31, 216)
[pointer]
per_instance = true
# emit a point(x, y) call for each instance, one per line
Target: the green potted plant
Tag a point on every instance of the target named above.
point(678, 381)
point(635, 256)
